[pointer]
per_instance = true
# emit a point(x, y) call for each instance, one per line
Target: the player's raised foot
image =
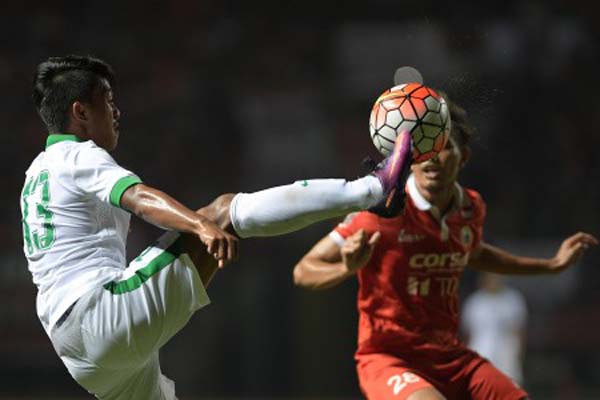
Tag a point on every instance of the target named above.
point(392, 172)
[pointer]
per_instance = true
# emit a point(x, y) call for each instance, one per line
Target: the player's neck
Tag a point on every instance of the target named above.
point(78, 130)
point(441, 199)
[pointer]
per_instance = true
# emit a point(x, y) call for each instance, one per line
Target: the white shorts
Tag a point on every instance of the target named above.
point(110, 340)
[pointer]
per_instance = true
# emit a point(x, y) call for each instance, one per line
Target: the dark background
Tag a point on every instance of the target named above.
point(224, 96)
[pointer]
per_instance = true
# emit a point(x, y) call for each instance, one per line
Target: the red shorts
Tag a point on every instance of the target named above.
point(385, 377)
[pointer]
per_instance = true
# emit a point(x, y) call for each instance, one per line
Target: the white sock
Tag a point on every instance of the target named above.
point(288, 208)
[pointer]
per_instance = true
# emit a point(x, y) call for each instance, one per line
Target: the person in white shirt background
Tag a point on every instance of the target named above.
point(494, 320)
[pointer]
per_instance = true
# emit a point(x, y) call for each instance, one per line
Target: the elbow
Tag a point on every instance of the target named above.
point(298, 275)
point(304, 279)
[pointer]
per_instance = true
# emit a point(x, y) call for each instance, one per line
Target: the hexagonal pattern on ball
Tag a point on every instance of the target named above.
point(414, 108)
point(434, 118)
point(393, 118)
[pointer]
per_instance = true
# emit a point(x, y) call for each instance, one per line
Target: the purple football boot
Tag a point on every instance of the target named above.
point(393, 172)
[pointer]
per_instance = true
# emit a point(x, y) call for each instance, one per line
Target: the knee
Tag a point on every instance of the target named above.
point(223, 201)
point(218, 211)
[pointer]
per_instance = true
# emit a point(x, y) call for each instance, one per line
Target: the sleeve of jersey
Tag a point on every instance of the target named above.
point(349, 226)
point(97, 173)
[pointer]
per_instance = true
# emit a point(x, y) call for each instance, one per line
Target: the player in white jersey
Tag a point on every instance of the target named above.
point(106, 320)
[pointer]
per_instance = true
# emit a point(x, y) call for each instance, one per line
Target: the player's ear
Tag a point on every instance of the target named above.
point(79, 112)
point(465, 155)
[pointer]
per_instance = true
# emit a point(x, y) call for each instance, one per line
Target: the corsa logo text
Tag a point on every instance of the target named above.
point(433, 260)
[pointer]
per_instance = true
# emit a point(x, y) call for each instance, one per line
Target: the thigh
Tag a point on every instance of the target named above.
point(486, 382)
point(146, 382)
point(137, 314)
point(384, 377)
point(205, 264)
point(99, 377)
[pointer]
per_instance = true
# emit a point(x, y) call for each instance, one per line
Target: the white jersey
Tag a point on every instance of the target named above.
point(74, 231)
point(495, 323)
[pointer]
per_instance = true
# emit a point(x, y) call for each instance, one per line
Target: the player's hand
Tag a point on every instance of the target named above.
point(571, 250)
point(358, 248)
point(220, 244)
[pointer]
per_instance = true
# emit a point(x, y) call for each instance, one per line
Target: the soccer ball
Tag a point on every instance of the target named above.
point(415, 108)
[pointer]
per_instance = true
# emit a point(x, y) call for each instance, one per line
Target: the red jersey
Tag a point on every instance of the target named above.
point(408, 295)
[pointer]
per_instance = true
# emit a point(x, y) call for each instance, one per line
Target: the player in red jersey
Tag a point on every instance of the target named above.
point(409, 268)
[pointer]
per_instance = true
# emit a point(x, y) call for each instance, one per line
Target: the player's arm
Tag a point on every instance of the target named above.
point(327, 264)
point(160, 209)
point(493, 259)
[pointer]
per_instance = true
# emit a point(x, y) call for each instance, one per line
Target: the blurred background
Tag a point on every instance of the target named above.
point(225, 96)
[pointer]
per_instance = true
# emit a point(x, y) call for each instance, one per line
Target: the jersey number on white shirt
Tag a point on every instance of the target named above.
point(41, 239)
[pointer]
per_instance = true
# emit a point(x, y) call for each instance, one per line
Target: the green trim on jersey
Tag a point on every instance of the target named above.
point(55, 138)
point(143, 274)
point(120, 187)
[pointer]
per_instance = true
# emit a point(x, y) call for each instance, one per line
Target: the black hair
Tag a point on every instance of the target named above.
point(462, 131)
point(60, 81)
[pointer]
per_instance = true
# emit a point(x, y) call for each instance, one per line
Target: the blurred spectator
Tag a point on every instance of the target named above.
point(494, 320)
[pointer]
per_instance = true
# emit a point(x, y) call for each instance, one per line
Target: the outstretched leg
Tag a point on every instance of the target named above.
point(288, 208)
point(285, 209)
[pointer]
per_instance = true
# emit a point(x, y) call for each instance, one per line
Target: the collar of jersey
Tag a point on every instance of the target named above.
point(55, 138)
point(421, 202)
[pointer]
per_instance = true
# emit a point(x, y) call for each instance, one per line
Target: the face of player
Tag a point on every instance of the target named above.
point(439, 173)
point(103, 118)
